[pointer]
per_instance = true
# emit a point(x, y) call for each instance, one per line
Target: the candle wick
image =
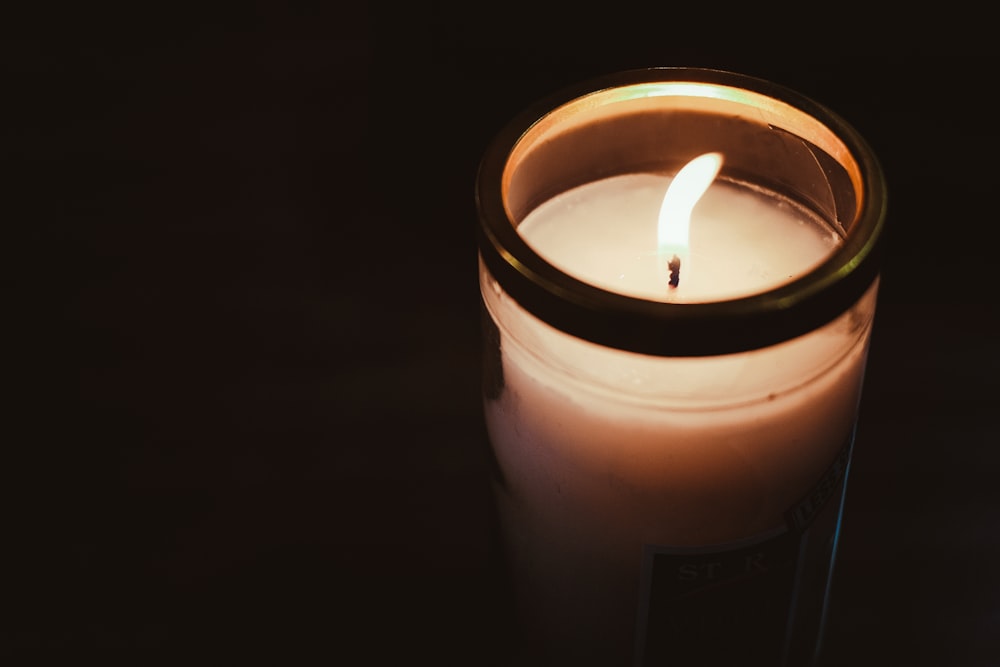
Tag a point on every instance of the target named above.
point(675, 270)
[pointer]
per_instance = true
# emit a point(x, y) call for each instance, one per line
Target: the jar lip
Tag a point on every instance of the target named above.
point(682, 329)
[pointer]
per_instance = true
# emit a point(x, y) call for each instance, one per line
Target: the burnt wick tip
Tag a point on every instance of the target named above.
point(675, 270)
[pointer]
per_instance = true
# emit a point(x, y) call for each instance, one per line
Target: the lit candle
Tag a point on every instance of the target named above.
point(673, 436)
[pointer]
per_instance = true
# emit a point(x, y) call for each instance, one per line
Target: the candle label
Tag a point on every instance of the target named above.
point(806, 510)
point(760, 601)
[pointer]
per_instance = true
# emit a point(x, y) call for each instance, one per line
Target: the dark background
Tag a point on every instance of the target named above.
point(245, 356)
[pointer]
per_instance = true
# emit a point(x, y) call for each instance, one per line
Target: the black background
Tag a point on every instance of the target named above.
point(245, 356)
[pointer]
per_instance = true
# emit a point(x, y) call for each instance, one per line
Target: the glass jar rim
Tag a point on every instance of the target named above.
point(685, 329)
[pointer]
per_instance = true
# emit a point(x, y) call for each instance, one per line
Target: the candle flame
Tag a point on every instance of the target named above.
point(684, 191)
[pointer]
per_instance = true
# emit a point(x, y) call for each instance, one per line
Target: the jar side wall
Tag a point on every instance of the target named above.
point(677, 383)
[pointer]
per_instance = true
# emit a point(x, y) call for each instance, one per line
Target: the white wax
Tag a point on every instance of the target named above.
point(741, 242)
point(604, 451)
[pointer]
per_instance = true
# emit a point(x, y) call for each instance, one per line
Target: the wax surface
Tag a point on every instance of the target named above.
point(741, 241)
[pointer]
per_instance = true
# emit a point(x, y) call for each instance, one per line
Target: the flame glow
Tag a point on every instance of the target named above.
point(684, 191)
